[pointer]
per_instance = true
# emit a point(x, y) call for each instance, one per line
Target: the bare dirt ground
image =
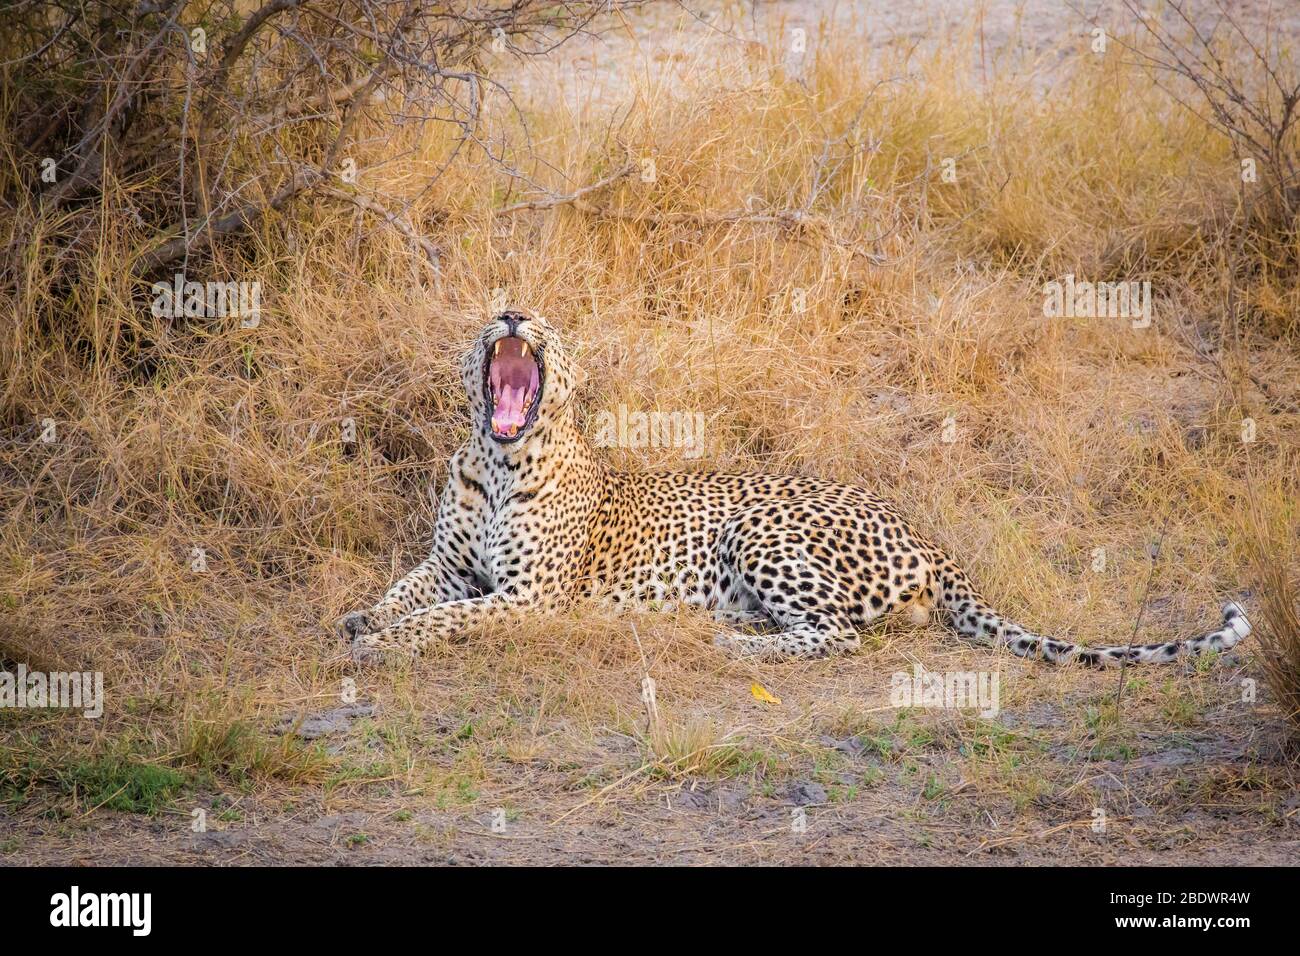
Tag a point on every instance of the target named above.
point(832, 774)
point(1185, 798)
point(1034, 35)
point(1183, 772)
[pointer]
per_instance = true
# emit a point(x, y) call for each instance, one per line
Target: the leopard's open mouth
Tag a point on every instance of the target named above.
point(513, 376)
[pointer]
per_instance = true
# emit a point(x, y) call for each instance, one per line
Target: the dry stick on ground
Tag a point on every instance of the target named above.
point(701, 217)
point(229, 224)
point(789, 218)
point(1137, 624)
point(821, 178)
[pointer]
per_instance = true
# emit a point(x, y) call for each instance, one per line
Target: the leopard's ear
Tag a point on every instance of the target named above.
point(578, 370)
point(470, 370)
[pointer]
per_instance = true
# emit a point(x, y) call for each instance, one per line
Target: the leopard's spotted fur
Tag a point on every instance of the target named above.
point(539, 521)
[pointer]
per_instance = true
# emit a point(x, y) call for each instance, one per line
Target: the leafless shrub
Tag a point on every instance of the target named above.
point(194, 120)
point(1253, 99)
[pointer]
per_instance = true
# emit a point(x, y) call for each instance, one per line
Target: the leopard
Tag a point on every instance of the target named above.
point(533, 520)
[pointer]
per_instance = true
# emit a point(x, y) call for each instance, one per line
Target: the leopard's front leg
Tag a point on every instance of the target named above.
point(535, 565)
point(529, 548)
point(436, 580)
point(413, 633)
point(445, 575)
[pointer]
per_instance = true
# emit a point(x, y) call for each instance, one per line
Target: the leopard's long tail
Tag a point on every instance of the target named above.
point(971, 616)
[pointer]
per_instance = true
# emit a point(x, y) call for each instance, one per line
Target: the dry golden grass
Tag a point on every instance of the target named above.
point(836, 343)
point(1271, 535)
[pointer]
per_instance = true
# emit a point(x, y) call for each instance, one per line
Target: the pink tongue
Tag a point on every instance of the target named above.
point(509, 410)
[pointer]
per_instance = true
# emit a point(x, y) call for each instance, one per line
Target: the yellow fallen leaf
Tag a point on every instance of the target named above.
point(762, 693)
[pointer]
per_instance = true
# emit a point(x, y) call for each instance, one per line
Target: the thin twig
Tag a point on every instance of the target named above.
point(396, 220)
point(1137, 624)
point(551, 201)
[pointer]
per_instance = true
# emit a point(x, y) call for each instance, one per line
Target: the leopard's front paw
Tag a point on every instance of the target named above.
point(733, 645)
point(366, 652)
point(756, 647)
point(351, 626)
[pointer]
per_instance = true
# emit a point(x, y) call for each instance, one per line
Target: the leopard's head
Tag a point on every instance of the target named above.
point(518, 377)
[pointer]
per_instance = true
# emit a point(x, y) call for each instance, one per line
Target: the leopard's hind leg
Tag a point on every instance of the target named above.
point(802, 639)
point(791, 576)
point(742, 618)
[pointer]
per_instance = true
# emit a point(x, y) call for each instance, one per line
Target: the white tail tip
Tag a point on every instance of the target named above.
point(1234, 615)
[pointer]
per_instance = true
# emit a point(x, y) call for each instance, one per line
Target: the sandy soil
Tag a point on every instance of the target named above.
point(703, 822)
point(654, 45)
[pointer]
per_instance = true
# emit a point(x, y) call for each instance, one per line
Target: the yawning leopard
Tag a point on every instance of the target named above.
point(532, 518)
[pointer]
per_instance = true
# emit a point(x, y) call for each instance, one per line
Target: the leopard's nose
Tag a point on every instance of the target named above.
point(512, 320)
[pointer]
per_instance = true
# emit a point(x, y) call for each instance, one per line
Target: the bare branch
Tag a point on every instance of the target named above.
point(396, 220)
point(553, 200)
